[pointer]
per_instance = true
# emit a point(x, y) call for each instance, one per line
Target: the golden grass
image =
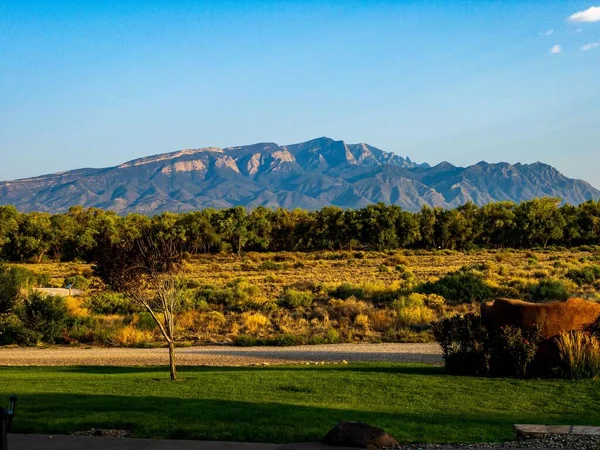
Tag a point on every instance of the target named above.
point(581, 353)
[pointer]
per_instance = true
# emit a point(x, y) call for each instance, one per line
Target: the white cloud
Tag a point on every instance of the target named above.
point(556, 50)
point(591, 46)
point(589, 15)
point(547, 33)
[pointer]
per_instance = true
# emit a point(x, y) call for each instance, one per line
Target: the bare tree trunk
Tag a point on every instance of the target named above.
point(172, 360)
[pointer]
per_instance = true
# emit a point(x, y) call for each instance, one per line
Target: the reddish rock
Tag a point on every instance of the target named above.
point(552, 318)
point(359, 435)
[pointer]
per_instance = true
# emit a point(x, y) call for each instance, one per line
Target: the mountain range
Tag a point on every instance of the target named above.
point(308, 175)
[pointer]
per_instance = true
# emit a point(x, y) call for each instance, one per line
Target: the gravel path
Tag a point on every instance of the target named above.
point(220, 355)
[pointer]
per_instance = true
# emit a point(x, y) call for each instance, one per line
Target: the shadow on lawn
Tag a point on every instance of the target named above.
point(204, 419)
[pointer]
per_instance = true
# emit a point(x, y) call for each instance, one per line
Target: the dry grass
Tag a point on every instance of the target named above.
point(290, 293)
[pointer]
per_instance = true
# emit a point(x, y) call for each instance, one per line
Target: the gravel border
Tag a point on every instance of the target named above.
point(550, 442)
point(221, 355)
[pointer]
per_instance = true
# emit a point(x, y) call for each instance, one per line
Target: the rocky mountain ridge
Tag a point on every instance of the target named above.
point(309, 175)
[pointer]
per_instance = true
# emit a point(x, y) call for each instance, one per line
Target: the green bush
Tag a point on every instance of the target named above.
point(470, 349)
point(585, 275)
point(13, 282)
point(346, 290)
point(14, 332)
point(45, 315)
point(109, 303)
point(549, 290)
point(459, 287)
point(465, 343)
point(270, 265)
point(238, 295)
point(145, 322)
point(77, 282)
point(293, 298)
point(514, 351)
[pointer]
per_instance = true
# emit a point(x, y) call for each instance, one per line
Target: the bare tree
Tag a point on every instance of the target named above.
point(146, 268)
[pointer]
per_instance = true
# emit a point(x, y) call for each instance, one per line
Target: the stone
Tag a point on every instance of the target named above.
point(540, 431)
point(552, 318)
point(358, 435)
point(589, 431)
point(530, 431)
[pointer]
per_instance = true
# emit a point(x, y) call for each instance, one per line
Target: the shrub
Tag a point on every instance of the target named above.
point(243, 340)
point(131, 336)
point(585, 275)
point(580, 354)
point(349, 308)
point(77, 282)
point(414, 299)
point(397, 260)
point(254, 322)
point(381, 320)
point(465, 344)
point(548, 290)
point(238, 295)
point(9, 290)
point(470, 349)
point(459, 287)
point(347, 290)
point(293, 298)
point(333, 336)
point(415, 316)
point(515, 350)
point(109, 303)
point(362, 321)
point(383, 268)
point(45, 315)
point(435, 301)
point(144, 321)
point(13, 331)
point(214, 320)
point(270, 265)
point(14, 282)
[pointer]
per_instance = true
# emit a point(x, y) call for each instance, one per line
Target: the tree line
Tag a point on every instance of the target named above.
point(81, 233)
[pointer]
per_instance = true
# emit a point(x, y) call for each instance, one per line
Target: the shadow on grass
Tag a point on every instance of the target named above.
point(177, 418)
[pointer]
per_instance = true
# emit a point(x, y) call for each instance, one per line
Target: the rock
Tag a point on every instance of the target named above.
point(552, 318)
point(359, 435)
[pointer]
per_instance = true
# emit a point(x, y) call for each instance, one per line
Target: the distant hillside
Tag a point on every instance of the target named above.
point(308, 175)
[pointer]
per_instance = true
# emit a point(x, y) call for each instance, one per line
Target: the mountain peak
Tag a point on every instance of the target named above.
point(310, 174)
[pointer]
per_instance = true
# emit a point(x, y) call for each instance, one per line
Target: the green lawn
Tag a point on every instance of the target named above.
point(285, 404)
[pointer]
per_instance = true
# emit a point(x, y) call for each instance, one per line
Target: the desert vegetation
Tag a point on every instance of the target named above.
point(290, 277)
point(298, 298)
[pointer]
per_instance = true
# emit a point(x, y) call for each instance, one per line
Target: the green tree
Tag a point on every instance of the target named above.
point(497, 224)
point(539, 221)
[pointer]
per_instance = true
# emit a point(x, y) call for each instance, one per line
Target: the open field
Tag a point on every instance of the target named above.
point(324, 297)
point(415, 403)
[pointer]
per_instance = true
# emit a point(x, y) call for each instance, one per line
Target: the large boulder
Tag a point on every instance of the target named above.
point(552, 318)
point(359, 435)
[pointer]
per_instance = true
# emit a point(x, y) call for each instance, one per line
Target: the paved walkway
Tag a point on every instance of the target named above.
point(220, 355)
point(43, 442)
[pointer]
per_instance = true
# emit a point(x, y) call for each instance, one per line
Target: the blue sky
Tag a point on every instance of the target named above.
point(96, 83)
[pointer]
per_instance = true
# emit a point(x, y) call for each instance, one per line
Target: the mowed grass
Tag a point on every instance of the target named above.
point(415, 403)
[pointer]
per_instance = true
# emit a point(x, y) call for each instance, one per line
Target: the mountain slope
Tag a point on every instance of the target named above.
point(309, 175)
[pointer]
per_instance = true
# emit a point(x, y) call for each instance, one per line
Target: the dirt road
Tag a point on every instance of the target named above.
point(221, 355)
